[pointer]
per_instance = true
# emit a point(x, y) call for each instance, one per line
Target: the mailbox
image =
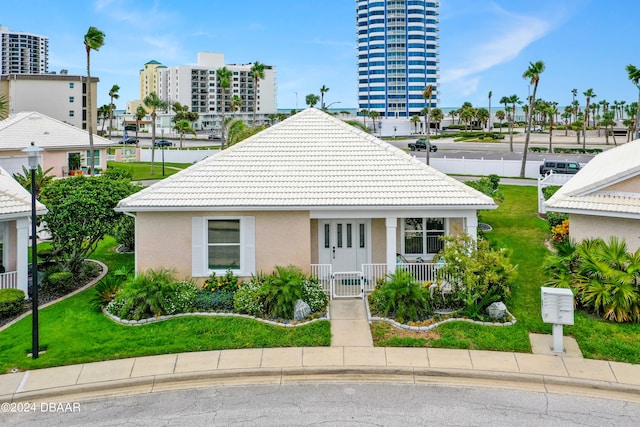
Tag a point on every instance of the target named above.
point(557, 306)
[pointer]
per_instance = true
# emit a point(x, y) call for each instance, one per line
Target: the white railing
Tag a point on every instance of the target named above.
point(323, 273)
point(372, 273)
point(347, 284)
point(9, 280)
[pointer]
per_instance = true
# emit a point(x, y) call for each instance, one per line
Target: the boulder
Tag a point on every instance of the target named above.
point(302, 310)
point(497, 310)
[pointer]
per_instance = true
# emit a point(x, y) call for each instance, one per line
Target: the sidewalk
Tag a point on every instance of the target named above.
point(351, 358)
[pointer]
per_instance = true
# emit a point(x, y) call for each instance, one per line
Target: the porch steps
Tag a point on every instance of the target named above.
point(349, 323)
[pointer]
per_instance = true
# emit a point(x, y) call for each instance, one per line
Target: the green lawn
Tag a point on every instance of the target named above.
point(73, 333)
point(517, 226)
point(142, 170)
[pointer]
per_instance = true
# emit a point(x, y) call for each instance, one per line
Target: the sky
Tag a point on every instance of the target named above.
point(485, 45)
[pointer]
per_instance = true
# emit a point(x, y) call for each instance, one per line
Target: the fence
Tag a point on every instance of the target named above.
point(547, 181)
point(176, 156)
point(9, 280)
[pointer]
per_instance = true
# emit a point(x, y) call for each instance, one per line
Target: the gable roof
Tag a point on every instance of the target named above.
point(589, 190)
point(19, 130)
point(15, 200)
point(310, 160)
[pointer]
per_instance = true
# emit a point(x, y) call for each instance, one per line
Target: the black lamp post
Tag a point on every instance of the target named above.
point(32, 154)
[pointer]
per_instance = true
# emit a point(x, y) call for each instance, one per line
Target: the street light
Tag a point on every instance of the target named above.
point(32, 155)
point(327, 107)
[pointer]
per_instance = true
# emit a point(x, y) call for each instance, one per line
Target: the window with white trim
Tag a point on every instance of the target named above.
point(423, 236)
point(96, 157)
point(224, 243)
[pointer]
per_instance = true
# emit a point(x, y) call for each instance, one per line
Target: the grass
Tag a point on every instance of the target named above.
point(72, 332)
point(517, 226)
point(142, 170)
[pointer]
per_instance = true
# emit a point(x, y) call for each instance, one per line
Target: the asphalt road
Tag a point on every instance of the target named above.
point(337, 404)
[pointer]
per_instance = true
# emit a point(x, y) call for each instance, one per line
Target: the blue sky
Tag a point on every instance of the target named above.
point(485, 45)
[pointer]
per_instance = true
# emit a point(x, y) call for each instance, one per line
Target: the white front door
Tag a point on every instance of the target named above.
point(344, 243)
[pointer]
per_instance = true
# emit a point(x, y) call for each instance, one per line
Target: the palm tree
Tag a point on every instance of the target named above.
point(589, 94)
point(634, 76)
point(42, 179)
point(153, 104)
point(4, 107)
point(183, 126)
point(103, 112)
point(364, 113)
point(533, 75)
point(437, 115)
point(574, 93)
point(257, 74)
point(113, 94)
point(551, 111)
point(415, 120)
point(490, 95)
point(500, 116)
point(93, 40)
point(235, 103)
point(224, 82)
point(568, 113)
point(311, 100)
point(323, 90)
point(374, 115)
point(483, 116)
point(427, 93)
point(140, 114)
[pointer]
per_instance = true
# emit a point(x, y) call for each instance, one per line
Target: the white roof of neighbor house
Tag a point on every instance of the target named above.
point(588, 191)
point(19, 130)
point(15, 200)
point(310, 160)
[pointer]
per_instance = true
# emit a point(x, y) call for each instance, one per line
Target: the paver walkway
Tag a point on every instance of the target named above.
point(349, 323)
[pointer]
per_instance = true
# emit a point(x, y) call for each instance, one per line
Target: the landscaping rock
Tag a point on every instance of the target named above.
point(302, 310)
point(497, 310)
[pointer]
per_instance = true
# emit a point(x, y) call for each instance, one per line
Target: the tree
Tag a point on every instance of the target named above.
point(500, 116)
point(532, 73)
point(81, 213)
point(113, 94)
point(483, 116)
point(634, 76)
point(93, 40)
point(235, 103)
point(224, 82)
point(323, 90)
point(153, 104)
point(551, 112)
point(4, 107)
point(104, 111)
point(427, 93)
point(373, 115)
point(140, 114)
point(257, 74)
point(364, 113)
point(42, 179)
point(589, 94)
point(182, 127)
point(311, 100)
point(437, 115)
point(574, 103)
point(490, 95)
point(415, 120)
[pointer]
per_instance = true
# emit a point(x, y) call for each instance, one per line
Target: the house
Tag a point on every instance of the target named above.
point(66, 148)
point(603, 198)
point(15, 219)
point(311, 191)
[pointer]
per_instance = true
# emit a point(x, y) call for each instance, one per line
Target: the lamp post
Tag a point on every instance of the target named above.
point(327, 107)
point(162, 132)
point(32, 154)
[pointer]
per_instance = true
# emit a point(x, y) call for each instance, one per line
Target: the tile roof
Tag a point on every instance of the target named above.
point(15, 200)
point(17, 132)
point(588, 191)
point(310, 160)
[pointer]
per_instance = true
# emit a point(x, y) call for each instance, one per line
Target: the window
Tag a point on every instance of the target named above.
point(422, 236)
point(223, 244)
point(72, 113)
point(71, 85)
point(96, 157)
point(71, 99)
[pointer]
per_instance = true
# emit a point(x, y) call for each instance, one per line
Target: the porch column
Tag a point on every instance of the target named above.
point(472, 226)
point(392, 225)
point(22, 251)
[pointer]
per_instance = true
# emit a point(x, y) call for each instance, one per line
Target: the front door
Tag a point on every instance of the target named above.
point(344, 244)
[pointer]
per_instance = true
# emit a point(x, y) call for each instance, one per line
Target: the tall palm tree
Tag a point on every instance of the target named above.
point(153, 104)
point(490, 95)
point(140, 114)
point(257, 74)
point(373, 115)
point(437, 115)
point(574, 93)
point(634, 76)
point(500, 116)
point(532, 73)
point(224, 82)
point(113, 94)
point(551, 111)
point(182, 127)
point(235, 103)
point(103, 112)
point(93, 40)
point(427, 93)
point(4, 107)
point(365, 113)
point(589, 94)
point(323, 90)
point(415, 120)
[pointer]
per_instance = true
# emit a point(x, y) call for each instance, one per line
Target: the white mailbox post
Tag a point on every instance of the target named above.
point(557, 308)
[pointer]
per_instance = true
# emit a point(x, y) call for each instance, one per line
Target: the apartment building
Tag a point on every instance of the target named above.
point(23, 53)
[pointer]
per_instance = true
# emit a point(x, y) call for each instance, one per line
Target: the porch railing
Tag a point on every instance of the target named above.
point(9, 280)
point(323, 273)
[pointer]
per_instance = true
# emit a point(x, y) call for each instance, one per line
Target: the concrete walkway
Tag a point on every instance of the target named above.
point(350, 358)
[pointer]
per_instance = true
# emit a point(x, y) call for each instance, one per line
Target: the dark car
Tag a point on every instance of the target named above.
point(128, 140)
point(560, 167)
point(163, 143)
point(421, 144)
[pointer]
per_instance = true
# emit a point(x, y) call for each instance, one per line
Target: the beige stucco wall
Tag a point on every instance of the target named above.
point(163, 239)
point(630, 185)
point(378, 241)
point(12, 246)
point(57, 159)
point(587, 226)
point(313, 235)
point(456, 226)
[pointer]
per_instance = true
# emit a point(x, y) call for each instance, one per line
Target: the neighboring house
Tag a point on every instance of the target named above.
point(603, 199)
point(66, 148)
point(15, 215)
point(309, 191)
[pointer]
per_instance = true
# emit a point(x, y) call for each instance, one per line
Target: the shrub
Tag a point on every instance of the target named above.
point(488, 186)
point(560, 231)
point(152, 293)
point(401, 297)
point(313, 295)
point(107, 288)
point(118, 173)
point(89, 270)
point(281, 290)
point(247, 300)
point(549, 191)
point(213, 301)
point(12, 302)
point(226, 283)
point(538, 149)
point(125, 233)
point(61, 281)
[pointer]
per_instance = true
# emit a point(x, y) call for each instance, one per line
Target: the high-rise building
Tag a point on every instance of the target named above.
point(23, 53)
point(397, 55)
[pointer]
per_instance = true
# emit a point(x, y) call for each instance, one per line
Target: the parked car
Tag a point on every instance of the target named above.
point(163, 143)
point(561, 167)
point(128, 140)
point(422, 145)
point(536, 128)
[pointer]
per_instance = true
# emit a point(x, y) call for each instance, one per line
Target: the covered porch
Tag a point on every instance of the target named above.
point(14, 237)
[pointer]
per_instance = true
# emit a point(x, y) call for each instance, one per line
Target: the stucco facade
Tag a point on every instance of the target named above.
point(590, 227)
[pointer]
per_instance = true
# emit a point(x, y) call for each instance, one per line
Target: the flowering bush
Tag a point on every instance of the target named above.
point(213, 301)
point(246, 300)
point(561, 231)
point(313, 295)
point(226, 283)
